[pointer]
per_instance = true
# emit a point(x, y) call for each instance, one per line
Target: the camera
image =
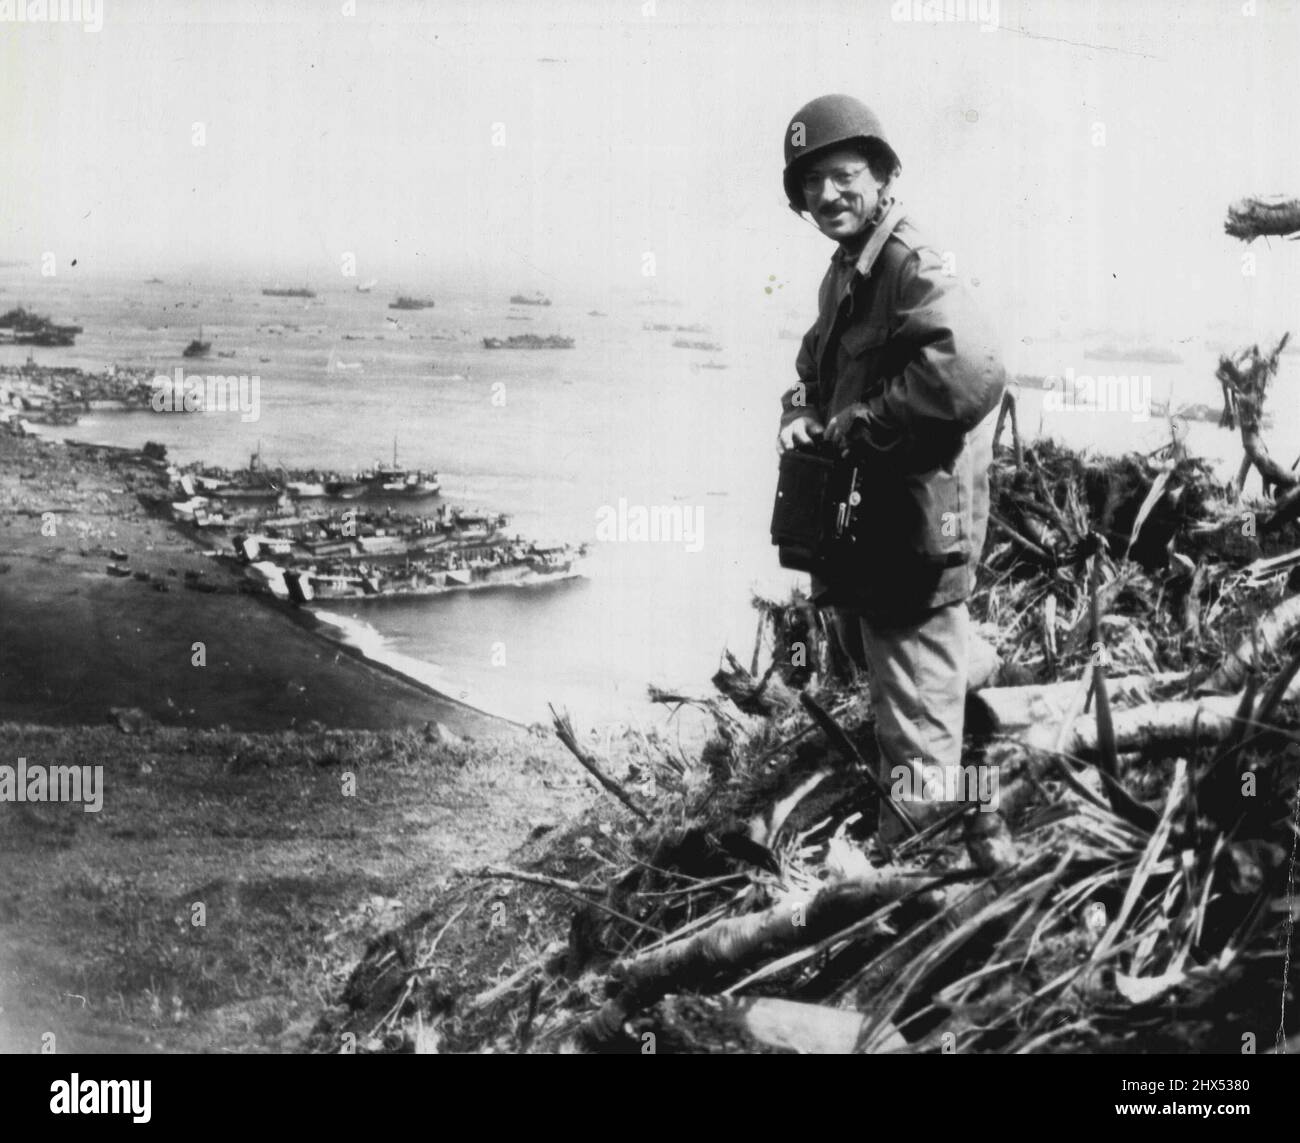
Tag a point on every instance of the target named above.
point(816, 516)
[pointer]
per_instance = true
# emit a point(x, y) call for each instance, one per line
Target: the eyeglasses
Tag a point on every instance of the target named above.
point(841, 180)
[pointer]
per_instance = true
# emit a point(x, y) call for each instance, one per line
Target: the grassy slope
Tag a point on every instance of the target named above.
point(295, 877)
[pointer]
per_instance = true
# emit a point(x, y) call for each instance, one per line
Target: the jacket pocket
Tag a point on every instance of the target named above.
point(916, 520)
point(938, 517)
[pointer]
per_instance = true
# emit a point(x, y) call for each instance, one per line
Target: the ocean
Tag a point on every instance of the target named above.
point(559, 439)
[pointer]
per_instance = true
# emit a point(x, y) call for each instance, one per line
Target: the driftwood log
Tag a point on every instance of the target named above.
point(730, 946)
point(1013, 710)
point(736, 943)
point(1034, 715)
point(1269, 638)
point(759, 1025)
point(1251, 218)
point(765, 697)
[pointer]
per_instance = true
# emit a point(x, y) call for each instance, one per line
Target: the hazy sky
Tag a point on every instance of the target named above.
point(555, 145)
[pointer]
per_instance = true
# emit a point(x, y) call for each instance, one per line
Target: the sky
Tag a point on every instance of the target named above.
point(1075, 158)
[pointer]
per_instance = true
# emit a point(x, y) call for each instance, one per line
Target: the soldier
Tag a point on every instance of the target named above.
point(899, 374)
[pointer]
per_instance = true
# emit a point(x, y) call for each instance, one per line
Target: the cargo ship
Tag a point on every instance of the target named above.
point(534, 299)
point(293, 292)
point(405, 303)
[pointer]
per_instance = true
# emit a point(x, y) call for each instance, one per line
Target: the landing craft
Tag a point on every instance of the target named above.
point(198, 347)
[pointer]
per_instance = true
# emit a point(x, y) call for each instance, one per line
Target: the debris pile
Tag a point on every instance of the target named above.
point(1126, 886)
point(1118, 875)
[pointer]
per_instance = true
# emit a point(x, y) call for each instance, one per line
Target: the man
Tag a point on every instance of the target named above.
point(898, 374)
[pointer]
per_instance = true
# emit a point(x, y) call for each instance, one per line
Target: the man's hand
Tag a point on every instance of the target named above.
point(857, 427)
point(799, 433)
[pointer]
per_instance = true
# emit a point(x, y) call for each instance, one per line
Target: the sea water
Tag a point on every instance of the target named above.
point(559, 439)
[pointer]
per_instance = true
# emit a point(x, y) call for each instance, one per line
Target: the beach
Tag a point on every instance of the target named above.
point(77, 642)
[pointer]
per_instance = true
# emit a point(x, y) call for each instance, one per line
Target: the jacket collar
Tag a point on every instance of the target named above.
point(880, 233)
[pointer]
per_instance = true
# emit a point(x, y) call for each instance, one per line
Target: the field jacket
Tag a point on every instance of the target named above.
point(899, 347)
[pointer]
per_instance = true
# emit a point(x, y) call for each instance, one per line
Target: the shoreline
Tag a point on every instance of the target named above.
point(311, 620)
point(77, 641)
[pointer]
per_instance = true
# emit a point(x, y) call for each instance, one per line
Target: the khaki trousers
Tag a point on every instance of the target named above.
point(917, 673)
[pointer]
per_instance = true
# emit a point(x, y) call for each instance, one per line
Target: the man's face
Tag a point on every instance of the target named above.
point(840, 193)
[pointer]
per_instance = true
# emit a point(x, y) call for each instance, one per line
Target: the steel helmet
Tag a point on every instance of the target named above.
point(828, 121)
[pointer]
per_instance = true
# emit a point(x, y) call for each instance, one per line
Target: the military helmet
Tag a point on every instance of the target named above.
point(828, 121)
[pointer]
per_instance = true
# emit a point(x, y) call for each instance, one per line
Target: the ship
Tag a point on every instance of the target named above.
point(528, 341)
point(468, 567)
point(684, 343)
point(306, 488)
point(1147, 354)
point(294, 292)
point(22, 327)
point(198, 347)
point(534, 299)
point(665, 327)
point(384, 480)
point(54, 336)
point(405, 303)
point(344, 488)
point(255, 483)
point(363, 553)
